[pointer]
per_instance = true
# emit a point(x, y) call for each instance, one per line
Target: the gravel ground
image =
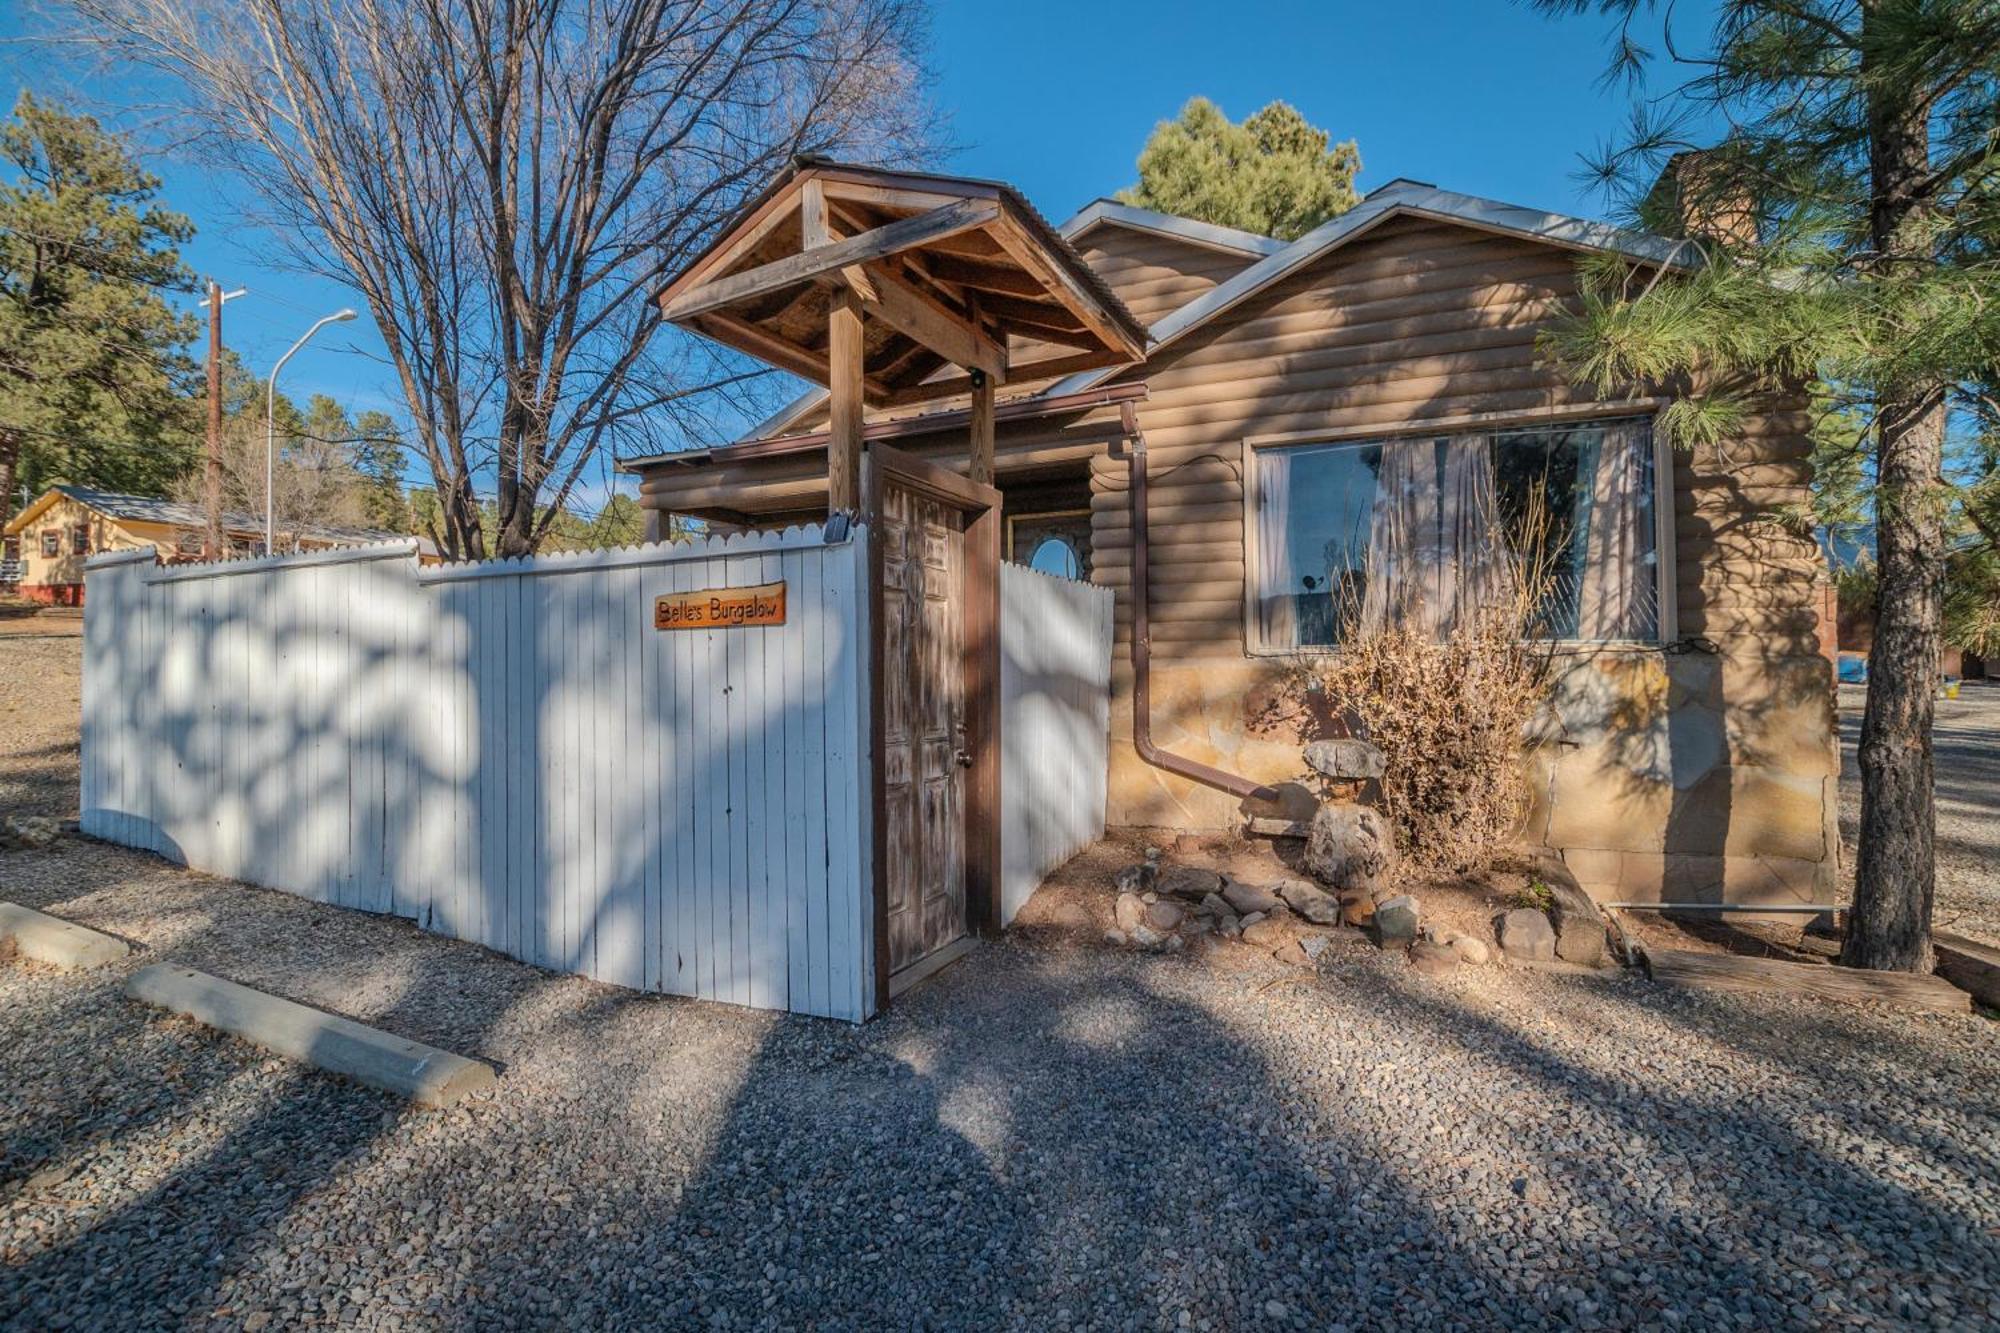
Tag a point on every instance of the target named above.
point(1047, 1135)
point(40, 680)
point(1966, 741)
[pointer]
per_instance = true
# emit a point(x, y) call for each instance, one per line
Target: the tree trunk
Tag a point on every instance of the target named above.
point(10, 463)
point(1895, 872)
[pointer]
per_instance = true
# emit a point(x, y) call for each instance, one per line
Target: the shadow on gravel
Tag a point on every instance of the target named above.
point(1018, 1139)
point(1754, 1170)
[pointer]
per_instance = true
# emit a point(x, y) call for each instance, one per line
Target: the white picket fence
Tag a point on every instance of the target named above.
point(510, 753)
point(1055, 711)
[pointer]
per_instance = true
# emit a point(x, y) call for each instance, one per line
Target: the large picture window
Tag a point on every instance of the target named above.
point(1423, 532)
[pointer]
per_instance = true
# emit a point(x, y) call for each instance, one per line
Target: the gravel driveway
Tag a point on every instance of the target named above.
point(1966, 742)
point(1047, 1135)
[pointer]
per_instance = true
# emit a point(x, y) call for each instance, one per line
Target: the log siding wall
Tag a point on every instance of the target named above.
point(1718, 780)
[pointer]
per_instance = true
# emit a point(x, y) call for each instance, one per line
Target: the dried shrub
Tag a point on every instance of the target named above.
point(1451, 715)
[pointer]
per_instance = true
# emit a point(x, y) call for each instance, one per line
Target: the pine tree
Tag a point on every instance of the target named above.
point(92, 375)
point(1275, 174)
point(1840, 231)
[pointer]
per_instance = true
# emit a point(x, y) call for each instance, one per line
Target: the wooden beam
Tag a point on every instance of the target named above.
point(923, 318)
point(1058, 280)
point(1722, 971)
point(986, 277)
point(1032, 370)
point(1969, 965)
point(844, 350)
point(809, 264)
point(767, 346)
point(980, 466)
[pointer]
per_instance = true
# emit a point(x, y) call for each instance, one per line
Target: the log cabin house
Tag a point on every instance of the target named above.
point(1317, 429)
point(48, 542)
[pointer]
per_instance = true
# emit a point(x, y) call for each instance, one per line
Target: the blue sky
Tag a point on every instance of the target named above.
point(1481, 96)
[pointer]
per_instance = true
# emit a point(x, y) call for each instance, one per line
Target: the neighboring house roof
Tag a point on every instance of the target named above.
point(153, 509)
point(1280, 259)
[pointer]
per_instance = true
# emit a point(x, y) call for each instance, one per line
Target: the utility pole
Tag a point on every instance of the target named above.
point(211, 491)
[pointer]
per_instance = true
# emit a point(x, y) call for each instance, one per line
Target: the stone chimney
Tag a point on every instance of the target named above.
point(1695, 196)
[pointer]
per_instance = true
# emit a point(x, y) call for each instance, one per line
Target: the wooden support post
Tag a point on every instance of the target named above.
point(843, 450)
point(980, 469)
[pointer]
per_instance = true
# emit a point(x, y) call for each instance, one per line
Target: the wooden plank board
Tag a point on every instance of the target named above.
point(1823, 981)
point(1969, 965)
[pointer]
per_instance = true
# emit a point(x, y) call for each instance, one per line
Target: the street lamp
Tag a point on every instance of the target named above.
point(271, 423)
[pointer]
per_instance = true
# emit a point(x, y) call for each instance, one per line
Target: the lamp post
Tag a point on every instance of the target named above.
point(271, 424)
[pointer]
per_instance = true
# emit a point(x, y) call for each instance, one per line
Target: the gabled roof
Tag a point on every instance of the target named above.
point(153, 509)
point(952, 271)
point(1230, 240)
point(1398, 198)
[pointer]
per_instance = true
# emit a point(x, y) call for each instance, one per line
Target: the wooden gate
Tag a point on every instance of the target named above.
point(934, 583)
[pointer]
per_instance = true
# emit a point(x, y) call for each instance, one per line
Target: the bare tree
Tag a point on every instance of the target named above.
point(507, 181)
point(314, 481)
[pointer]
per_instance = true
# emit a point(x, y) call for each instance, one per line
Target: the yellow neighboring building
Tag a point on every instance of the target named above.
point(48, 542)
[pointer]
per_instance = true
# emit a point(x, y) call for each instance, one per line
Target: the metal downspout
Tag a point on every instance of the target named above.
point(1142, 648)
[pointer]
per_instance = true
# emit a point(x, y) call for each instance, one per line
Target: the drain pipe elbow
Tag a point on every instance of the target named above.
point(1142, 648)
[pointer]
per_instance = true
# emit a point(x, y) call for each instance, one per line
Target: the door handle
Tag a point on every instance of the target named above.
point(963, 757)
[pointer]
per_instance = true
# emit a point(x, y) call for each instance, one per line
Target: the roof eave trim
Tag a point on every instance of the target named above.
point(1209, 235)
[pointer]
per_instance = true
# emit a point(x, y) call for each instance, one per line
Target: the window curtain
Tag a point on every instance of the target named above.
point(1615, 593)
point(1476, 559)
point(1402, 531)
point(1436, 554)
point(1276, 607)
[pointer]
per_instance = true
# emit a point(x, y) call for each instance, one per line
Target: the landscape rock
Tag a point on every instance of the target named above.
point(29, 832)
point(1145, 936)
point(1357, 908)
point(1268, 933)
point(1114, 937)
point(1396, 920)
point(1214, 905)
point(1433, 959)
point(1350, 847)
point(1129, 911)
point(1292, 954)
point(1137, 878)
point(1311, 902)
point(1163, 916)
point(1579, 924)
point(1344, 760)
point(1315, 945)
point(1189, 882)
point(1472, 950)
point(1247, 898)
point(1526, 933)
point(1250, 919)
point(1581, 943)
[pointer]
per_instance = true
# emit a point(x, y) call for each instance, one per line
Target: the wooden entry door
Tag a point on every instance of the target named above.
point(934, 536)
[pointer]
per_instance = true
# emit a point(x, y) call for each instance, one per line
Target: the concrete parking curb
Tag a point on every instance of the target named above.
point(48, 939)
point(424, 1074)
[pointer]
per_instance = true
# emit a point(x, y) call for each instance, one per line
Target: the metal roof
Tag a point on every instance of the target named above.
point(173, 513)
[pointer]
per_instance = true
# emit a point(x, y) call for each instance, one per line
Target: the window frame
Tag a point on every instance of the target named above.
point(1666, 587)
point(79, 540)
point(51, 537)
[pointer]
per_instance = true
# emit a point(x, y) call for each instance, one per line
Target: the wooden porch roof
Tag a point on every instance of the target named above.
point(948, 271)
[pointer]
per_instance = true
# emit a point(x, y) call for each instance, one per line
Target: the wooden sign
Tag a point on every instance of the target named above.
point(721, 608)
